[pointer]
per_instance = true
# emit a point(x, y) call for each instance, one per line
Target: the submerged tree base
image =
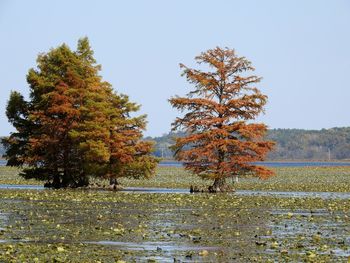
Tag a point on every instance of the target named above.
point(224, 188)
point(220, 185)
point(58, 184)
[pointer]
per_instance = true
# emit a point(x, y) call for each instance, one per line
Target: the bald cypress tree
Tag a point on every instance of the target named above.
point(68, 131)
point(221, 140)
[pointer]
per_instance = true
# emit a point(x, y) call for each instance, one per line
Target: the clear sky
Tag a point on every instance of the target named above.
point(300, 48)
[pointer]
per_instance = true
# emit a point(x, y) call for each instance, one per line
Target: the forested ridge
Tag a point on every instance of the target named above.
point(291, 144)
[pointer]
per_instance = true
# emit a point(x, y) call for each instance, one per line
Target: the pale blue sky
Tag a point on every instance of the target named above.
point(300, 48)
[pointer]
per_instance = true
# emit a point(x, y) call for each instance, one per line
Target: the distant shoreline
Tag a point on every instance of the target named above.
point(267, 161)
point(283, 161)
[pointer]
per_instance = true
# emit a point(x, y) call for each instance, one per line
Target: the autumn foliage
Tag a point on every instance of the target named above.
point(221, 139)
point(75, 126)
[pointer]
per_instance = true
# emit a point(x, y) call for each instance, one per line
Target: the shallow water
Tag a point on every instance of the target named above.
point(21, 187)
point(272, 164)
point(152, 246)
point(268, 164)
point(164, 249)
point(3, 221)
point(322, 195)
point(107, 225)
point(149, 190)
point(311, 228)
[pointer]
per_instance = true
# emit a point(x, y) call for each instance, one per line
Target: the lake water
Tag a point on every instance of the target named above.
point(150, 190)
point(272, 164)
point(267, 164)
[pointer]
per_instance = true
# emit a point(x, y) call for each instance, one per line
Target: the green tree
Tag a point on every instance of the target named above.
point(17, 114)
point(74, 123)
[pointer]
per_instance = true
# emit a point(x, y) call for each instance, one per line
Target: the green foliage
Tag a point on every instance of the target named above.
point(162, 144)
point(17, 114)
point(291, 144)
point(322, 144)
point(74, 126)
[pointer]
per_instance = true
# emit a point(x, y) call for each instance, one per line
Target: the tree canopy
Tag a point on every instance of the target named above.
point(74, 125)
point(221, 141)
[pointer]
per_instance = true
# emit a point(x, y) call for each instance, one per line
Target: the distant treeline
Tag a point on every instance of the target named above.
point(291, 144)
point(2, 149)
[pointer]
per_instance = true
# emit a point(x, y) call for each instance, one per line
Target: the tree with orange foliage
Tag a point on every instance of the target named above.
point(221, 140)
point(75, 126)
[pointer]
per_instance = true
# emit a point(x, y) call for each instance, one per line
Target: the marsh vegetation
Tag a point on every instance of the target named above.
point(106, 226)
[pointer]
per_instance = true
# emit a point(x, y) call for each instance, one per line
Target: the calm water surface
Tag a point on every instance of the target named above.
point(273, 164)
point(267, 164)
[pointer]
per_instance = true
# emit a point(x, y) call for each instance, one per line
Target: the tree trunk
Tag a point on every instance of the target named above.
point(83, 181)
point(218, 186)
point(65, 180)
point(56, 183)
point(113, 181)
